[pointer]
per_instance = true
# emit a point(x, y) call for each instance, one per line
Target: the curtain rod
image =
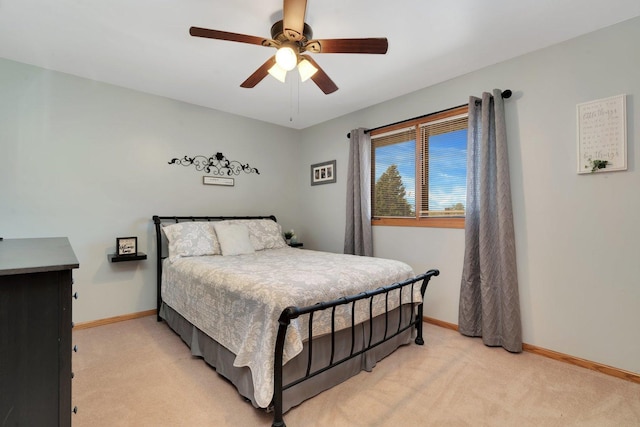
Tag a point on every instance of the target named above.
point(505, 94)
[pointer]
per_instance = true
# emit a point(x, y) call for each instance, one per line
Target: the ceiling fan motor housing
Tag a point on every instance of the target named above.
point(277, 33)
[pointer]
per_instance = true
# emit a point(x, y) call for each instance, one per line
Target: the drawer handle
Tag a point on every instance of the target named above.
point(73, 325)
point(75, 348)
point(75, 410)
point(72, 375)
point(75, 295)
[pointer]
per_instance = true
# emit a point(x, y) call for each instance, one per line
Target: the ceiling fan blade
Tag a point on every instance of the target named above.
point(234, 37)
point(321, 78)
point(368, 45)
point(293, 18)
point(259, 74)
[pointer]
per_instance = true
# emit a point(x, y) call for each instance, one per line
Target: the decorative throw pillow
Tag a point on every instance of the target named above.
point(191, 239)
point(264, 233)
point(234, 238)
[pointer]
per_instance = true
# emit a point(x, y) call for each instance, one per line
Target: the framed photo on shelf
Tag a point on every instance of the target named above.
point(323, 173)
point(126, 246)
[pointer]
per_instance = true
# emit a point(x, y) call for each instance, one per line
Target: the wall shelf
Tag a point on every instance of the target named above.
point(137, 257)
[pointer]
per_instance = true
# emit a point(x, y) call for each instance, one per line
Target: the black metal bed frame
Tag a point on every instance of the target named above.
point(290, 313)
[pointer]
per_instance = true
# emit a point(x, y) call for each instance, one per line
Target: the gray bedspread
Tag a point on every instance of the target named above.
point(237, 300)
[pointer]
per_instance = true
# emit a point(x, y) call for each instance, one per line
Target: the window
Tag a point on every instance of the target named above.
point(419, 171)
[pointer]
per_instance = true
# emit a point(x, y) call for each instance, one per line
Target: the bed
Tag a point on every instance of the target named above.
point(282, 324)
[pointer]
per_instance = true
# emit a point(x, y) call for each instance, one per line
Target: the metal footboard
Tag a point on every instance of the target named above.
point(391, 331)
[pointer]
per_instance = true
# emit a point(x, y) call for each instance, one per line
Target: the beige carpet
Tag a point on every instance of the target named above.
point(139, 373)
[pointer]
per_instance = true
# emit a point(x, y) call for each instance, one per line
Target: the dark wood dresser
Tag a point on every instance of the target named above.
point(35, 331)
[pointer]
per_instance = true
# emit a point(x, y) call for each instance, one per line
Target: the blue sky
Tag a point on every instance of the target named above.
point(447, 166)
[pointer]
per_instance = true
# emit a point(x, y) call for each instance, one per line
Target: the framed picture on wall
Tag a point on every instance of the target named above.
point(602, 135)
point(323, 173)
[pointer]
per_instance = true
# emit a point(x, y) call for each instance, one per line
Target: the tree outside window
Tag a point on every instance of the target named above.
point(391, 195)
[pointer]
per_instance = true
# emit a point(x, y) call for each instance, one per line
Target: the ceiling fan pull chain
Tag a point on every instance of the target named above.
point(290, 98)
point(298, 93)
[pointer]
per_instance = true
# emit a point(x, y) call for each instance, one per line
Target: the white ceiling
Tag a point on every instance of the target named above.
point(145, 45)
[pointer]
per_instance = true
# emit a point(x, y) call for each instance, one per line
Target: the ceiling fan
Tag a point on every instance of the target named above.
point(293, 37)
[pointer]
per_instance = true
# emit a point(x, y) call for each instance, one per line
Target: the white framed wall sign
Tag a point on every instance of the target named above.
point(214, 180)
point(602, 135)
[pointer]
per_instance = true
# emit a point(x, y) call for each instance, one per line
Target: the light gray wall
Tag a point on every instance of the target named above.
point(89, 161)
point(576, 235)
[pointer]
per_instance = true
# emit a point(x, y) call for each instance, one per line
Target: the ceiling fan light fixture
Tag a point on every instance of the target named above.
point(278, 72)
point(306, 70)
point(286, 58)
point(292, 37)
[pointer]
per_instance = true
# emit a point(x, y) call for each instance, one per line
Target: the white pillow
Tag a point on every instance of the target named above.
point(234, 238)
point(191, 239)
point(264, 233)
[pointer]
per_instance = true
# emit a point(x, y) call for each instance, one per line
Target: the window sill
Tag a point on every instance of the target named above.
point(425, 222)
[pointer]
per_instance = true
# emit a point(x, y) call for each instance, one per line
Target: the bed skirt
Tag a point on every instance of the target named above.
point(221, 359)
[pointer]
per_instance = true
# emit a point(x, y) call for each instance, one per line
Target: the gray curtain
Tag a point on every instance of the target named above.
point(489, 300)
point(358, 237)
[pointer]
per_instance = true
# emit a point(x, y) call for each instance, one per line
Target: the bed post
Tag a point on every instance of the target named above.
point(284, 321)
point(157, 221)
point(423, 289)
point(419, 339)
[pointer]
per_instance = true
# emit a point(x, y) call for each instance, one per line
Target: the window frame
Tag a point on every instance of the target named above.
point(417, 221)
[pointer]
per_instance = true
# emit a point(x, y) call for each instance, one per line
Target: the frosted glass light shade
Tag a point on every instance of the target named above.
point(277, 72)
point(306, 70)
point(286, 58)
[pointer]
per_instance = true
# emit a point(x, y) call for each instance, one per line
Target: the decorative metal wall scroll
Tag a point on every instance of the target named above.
point(216, 165)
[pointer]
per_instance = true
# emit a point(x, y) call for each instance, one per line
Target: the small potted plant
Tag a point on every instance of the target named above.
point(597, 164)
point(288, 235)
